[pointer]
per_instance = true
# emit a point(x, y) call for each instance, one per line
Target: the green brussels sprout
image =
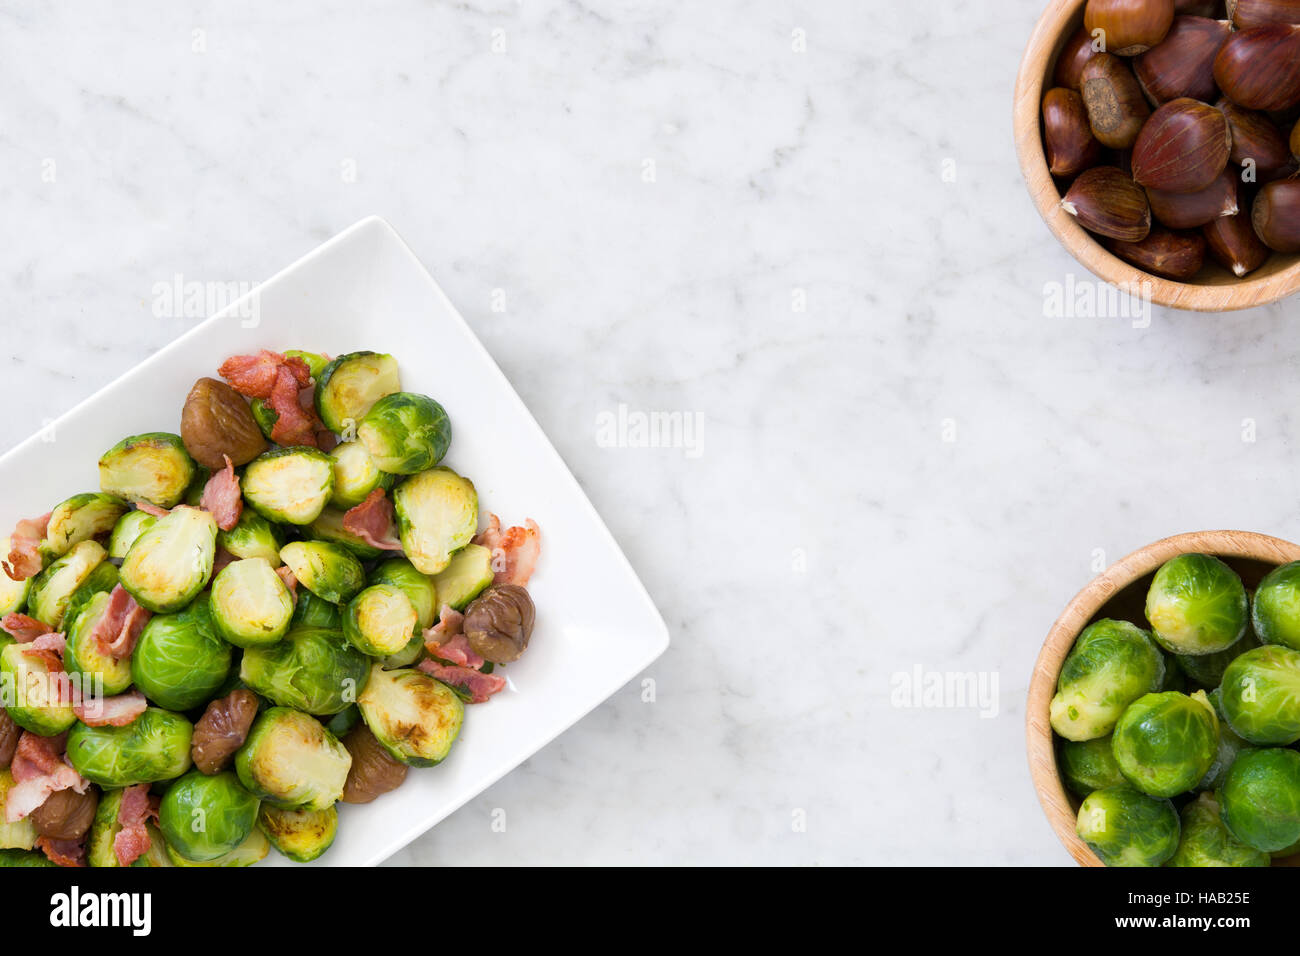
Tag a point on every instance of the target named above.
point(52, 588)
point(317, 612)
point(253, 537)
point(171, 563)
point(468, 574)
point(250, 603)
point(355, 475)
point(1112, 664)
point(253, 850)
point(380, 620)
point(155, 746)
point(437, 515)
point(329, 527)
point(350, 385)
point(154, 467)
point(1206, 670)
point(1261, 798)
point(38, 703)
point(204, 817)
point(1205, 841)
point(414, 717)
point(316, 363)
point(82, 656)
point(327, 570)
point(1165, 743)
point(180, 660)
point(265, 416)
point(13, 594)
point(1126, 827)
point(301, 835)
point(408, 655)
point(1276, 611)
point(1261, 695)
point(419, 588)
point(103, 577)
point(20, 835)
point(405, 433)
point(105, 828)
point(314, 669)
point(291, 485)
point(290, 760)
point(81, 518)
point(1089, 765)
point(343, 721)
point(1292, 850)
point(1197, 605)
point(24, 858)
point(129, 527)
point(1229, 746)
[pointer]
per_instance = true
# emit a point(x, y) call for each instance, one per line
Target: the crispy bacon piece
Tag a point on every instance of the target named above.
point(290, 580)
point(24, 560)
point(256, 375)
point(446, 641)
point(22, 628)
point(373, 522)
point(119, 627)
point(49, 648)
point(116, 711)
point(39, 769)
point(135, 810)
point(63, 852)
point(221, 497)
point(480, 686)
point(514, 551)
point(294, 424)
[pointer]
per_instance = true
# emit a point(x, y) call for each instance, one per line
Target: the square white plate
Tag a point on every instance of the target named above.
point(365, 289)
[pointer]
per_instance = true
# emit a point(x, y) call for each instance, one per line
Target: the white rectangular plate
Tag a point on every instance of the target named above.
point(364, 289)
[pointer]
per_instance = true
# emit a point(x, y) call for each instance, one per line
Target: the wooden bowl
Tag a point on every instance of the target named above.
point(1215, 289)
point(1120, 592)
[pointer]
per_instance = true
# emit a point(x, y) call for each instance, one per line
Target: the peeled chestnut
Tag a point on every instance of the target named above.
point(1259, 68)
point(1174, 255)
point(1234, 245)
point(1077, 51)
point(1116, 107)
point(1190, 210)
point(1182, 148)
point(1255, 13)
point(1182, 64)
point(1107, 202)
point(1255, 139)
point(1129, 26)
point(1071, 147)
point(1276, 215)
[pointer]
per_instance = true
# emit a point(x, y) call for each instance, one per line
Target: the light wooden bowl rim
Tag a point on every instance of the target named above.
point(1273, 281)
point(1085, 605)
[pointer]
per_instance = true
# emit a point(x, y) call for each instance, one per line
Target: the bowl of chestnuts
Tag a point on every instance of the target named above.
point(1160, 140)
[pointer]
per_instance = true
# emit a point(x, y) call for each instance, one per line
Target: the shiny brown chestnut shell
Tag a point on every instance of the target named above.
point(1071, 147)
point(1182, 148)
point(1192, 210)
point(1116, 106)
point(1131, 26)
point(1295, 140)
point(1234, 245)
point(1173, 255)
point(1276, 215)
point(1197, 8)
point(1109, 203)
point(1182, 64)
point(1255, 139)
point(1246, 14)
point(499, 622)
point(1069, 62)
point(1259, 68)
point(374, 770)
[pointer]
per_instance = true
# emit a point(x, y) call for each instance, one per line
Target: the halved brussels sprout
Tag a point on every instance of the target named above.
point(1261, 798)
point(415, 717)
point(405, 433)
point(1205, 841)
point(154, 746)
point(83, 657)
point(24, 858)
point(1165, 743)
point(157, 854)
point(1126, 827)
point(437, 515)
point(265, 416)
point(1088, 765)
point(380, 620)
point(316, 363)
point(205, 817)
point(329, 527)
point(465, 578)
point(171, 562)
point(351, 384)
point(250, 603)
point(325, 569)
point(99, 844)
point(20, 835)
point(80, 518)
point(1276, 612)
point(253, 850)
point(129, 527)
point(154, 467)
point(13, 594)
point(253, 537)
point(1206, 670)
point(47, 601)
point(419, 588)
point(1112, 664)
point(314, 669)
point(290, 760)
point(292, 485)
point(39, 704)
point(180, 660)
point(317, 612)
point(1197, 605)
point(301, 835)
point(343, 721)
point(355, 475)
point(1261, 695)
point(103, 577)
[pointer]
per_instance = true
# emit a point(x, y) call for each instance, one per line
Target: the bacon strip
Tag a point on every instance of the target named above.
point(22, 628)
point(373, 522)
point(256, 375)
point(63, 852)
point(135, 810)
point(480, 686)
point(49, 648)
point(119, 627)
point(24, 548)
point(514, 551)
point(39, 769)
point(116, 711)
point(221, 497)
point(446, 641)
point(149, 508)
point(290, 580)
point(294, 424)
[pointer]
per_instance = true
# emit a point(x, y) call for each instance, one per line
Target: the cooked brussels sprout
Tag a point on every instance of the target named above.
point(1112, 664)
point(462, 580)
point(1261, 695)
point(24, 858)
point(437, 515)
point(355, 475)
point(1206, 670)
point(99, 846)
point(408, 655)
point(380, 620)
point(83, 657)
point(253, 537)
point(1205, 841)
point(13, 594)
point(405, 433)
point(415, 717)
point(419, 588)
point(171, 562)
point(316, 612)
point(1165, 743)
point(103, 577)
point(1261, 798)
point(343, 721)
point(1126, 827)
point(314, 669)
point(81, 518)
point(154, 746)
point(265, 416)
point(250, 603)
point(1276, 612)
point(154, 467)
point(290, 760)
point(1196, 605)
point(329, 527)
point(301, 835)
point(1089, 765)
point(129, 527)
point(253, 850)
point(292, 485)
point(180, 660)
point(204, 817)
point(316, 363)
point(52, 588)
point(327, 570)
point(351, 384)
point(38, 703)
point(20, 835)
point(194, 493)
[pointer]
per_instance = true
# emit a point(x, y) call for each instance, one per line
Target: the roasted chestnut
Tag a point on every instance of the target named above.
point(1276, 215)
point(374, 770)
point(1256, 13)
point(1129, 26)
point(1255, 139)
point(1191, 210)
point(66, 814)
point(1182, 148)
point(1071, 147)
point(1077, 51)
point(1259, 68)
point(499, 622)
point(222, 730)
point(1174, 255)
point(1233, 243)
point(217, 421)
point(1116, 105)
point(1182, 64)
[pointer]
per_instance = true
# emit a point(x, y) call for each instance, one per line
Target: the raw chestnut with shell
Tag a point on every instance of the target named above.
point(1259, 68)
point(1295, 140)
point(66, 814)
point(1256, 13)
point(1276, 215)
point(1255, 139)
point(1130, 26)
point(374, 770)
point(1071, 147)
point(1190, 210)
point(217, 421)
point(1183, 63)
point(1107, 202)
point(499, 622)
point(1234, 245)
point(1174, 255)
point(1116, 106)
point(1197, 8)
point(1069, 63)
point(1182, 148)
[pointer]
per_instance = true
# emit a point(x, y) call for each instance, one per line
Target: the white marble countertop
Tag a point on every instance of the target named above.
point(800, 223)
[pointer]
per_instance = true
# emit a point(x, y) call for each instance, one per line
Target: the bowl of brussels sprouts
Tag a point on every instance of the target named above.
point(1163, 719)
